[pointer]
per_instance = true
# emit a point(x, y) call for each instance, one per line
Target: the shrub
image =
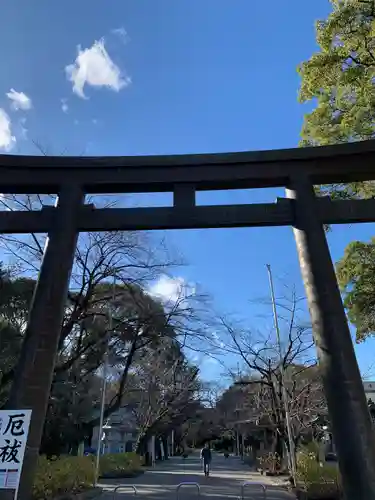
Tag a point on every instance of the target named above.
point(62, 475)
point(317, 478)
point(312, 447)
point(69, 474)
point(119, 464)
point(270, 461)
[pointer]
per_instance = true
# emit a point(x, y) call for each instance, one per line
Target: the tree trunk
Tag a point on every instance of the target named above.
point(166, 450)
point(141, 444)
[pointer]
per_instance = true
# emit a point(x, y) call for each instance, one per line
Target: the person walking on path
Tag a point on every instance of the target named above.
point(206, 456)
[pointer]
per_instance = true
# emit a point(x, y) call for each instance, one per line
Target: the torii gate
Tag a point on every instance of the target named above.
point(296, 169)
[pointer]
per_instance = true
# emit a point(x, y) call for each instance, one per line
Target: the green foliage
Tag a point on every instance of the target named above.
point(356, 277)
point(68, 474)
point(62, 475)
point(315, 477)
point(118, 464)
point(15, 297)
point(166, 392)
point(311, 448)
point(140, 324)
point(339, 78)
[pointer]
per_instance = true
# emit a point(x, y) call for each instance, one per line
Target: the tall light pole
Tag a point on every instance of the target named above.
point(104, 386)
point(292, 456)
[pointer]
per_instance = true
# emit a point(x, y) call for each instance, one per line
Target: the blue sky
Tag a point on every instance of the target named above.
point(165, 76)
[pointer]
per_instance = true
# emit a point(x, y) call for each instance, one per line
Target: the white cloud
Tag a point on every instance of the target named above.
point(121, 33)
point(94, 67)
point(171, 289)
point(20, 101)
point(7, 140)
point(64, 105)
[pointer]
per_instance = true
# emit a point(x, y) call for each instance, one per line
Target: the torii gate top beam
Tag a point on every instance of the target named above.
point(324, 165)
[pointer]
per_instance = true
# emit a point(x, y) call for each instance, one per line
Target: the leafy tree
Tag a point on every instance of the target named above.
point(340, 75)
point(356, 277)
point(204, 425)
point(165, 392)
point(238, 402)
point(15, 297)
point(139, 324)
point(140, 321)
point(340, 79)
point(71, 404)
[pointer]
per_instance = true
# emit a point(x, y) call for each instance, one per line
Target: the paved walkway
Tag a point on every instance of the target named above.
point(225, 480)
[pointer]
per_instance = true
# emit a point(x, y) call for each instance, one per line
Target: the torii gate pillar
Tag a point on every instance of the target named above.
point(33, 378)
point(351, 422)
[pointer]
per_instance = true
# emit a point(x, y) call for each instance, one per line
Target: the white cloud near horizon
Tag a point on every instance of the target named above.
point(171, 289)
point(94, 67)
point(20, 101)
point(7, 140)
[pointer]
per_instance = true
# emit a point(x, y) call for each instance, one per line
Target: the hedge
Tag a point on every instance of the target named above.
point(120, 465)
point(69, 474)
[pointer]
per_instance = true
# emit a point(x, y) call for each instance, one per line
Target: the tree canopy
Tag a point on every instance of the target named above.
point(109, 314)
point(356, 277)
point(339, 79)
point(340, 76)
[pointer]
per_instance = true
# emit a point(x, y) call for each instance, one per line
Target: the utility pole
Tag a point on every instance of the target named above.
point(292, 456)
point(104, 387)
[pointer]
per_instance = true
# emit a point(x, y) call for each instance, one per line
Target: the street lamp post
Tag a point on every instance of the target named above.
point(100, 430)
point(104, 388)
point(292, 457)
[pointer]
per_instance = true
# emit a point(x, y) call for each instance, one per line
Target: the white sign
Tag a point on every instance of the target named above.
point(14, 428)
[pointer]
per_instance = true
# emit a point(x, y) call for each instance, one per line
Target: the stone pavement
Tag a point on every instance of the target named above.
point(224, 482)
